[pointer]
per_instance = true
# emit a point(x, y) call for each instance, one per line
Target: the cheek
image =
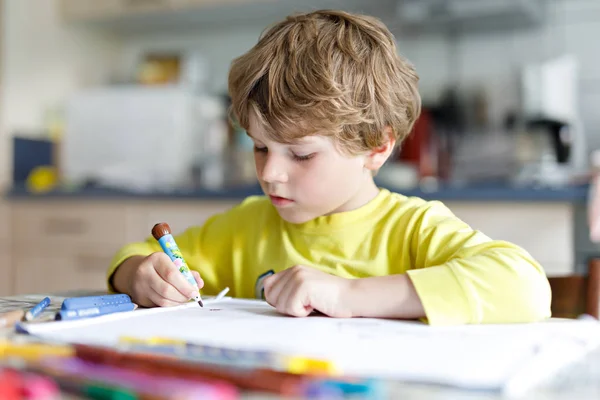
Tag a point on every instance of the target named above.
point(330, 175)
point(258, 163)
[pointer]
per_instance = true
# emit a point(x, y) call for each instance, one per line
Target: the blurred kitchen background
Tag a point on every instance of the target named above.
point(113, 115)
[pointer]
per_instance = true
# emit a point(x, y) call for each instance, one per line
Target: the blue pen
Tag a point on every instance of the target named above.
point(162, 233)
point(79, 313)
point(37, 309)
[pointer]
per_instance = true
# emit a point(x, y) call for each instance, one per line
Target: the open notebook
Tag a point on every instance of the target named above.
point(509, 358)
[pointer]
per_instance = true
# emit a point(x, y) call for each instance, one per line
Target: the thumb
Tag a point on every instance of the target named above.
point(199, 280)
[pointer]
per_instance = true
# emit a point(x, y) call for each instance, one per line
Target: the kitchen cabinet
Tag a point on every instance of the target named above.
point(46, 272)
point(179, 215)
point(6, 272)
point(4, 221)
point(67, 244)
point(6, 267)
point(59, 225)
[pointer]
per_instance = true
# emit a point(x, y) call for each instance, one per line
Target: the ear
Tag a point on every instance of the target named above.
point(378, 156)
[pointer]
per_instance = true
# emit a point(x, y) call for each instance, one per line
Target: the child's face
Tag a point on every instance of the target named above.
point(309, 178)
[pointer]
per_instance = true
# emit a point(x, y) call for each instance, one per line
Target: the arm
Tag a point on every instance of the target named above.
point(391, 296)
point(203, 248)
point(464, 277)
point(208, 249)
point(454, 275)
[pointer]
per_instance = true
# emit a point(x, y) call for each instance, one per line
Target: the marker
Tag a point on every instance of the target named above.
point(37, 309)
point(162, 233)
point(312, 366)
point(140, 383)
point(9, 386)
point(9, 319)
point(39, 387)
point(363, 389)
point(256, 379)
point(33, 351)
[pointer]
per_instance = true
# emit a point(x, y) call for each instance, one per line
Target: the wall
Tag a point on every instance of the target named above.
point(43, 61)
point(217, 47)
point(490, 60)
point(494, 59)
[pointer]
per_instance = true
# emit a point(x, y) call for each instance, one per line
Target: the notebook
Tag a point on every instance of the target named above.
point(509, 358)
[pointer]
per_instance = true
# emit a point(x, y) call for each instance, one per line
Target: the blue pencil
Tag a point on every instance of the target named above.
point(37, 309)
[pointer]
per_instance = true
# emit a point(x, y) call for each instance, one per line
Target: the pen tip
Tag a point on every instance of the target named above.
point(200, 303)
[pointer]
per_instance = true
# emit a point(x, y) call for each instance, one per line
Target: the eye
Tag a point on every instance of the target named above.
point(260, 149)
point(303, 158)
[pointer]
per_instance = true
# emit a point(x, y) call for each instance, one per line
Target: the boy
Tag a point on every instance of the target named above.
point(325, 98)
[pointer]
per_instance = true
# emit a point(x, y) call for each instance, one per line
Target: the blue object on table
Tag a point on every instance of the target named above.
point(365, 389)
point(90, 312)
point(37, 309)
point(74, 303)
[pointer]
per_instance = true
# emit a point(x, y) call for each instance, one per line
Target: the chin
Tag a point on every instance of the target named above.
point(295, 217)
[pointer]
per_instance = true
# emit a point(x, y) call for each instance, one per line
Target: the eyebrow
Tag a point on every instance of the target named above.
point(305, 140)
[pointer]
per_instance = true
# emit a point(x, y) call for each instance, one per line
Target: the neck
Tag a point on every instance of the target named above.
point(365, 193)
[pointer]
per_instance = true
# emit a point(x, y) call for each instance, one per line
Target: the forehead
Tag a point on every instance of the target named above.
point(256, 130)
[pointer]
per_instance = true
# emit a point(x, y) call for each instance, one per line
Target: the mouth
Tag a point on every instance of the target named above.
point(280, 201)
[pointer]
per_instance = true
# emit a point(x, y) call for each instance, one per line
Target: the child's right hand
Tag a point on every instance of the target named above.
point(156, 281)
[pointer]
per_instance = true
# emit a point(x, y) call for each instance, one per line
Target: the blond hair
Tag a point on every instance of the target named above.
point(326, 72)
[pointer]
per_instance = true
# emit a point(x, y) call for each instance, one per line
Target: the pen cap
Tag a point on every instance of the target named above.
point(161, 229)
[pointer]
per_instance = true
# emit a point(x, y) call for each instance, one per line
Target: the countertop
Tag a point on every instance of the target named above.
point(481, 192)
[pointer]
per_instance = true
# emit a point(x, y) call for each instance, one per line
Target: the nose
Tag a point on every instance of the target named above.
point(273, 170)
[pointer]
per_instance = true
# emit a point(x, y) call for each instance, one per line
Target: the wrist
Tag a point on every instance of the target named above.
point(353, 296)
point(391, 296)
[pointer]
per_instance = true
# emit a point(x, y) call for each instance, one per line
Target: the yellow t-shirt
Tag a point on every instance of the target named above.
point(461, 275)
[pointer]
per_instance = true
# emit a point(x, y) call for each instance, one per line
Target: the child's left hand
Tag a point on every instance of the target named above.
point(299, 290)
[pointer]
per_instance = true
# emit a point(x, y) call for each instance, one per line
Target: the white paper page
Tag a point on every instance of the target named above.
point(482, 357)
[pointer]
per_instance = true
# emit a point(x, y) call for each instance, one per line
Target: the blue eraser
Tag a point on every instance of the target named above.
point(79, 313)
point(74, 303)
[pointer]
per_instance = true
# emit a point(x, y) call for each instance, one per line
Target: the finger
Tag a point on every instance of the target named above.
point(198, 279)
point(296, 302)
point(161, 301)
point(273, 291)
point(272, 279)
point(167, 291)
point(292, 297)
point(170, 273)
